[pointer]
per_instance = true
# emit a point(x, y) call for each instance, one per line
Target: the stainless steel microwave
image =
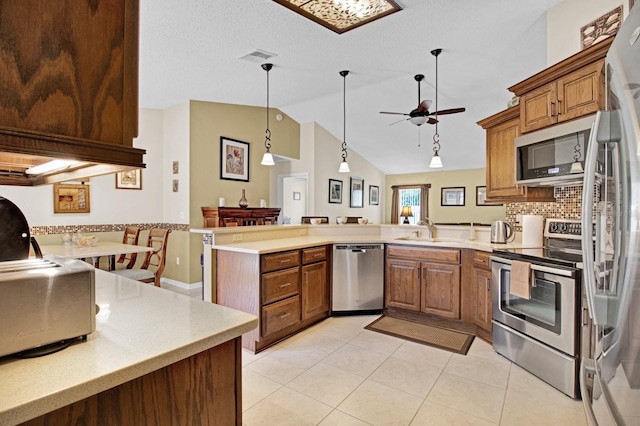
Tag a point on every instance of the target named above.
point(555, 155)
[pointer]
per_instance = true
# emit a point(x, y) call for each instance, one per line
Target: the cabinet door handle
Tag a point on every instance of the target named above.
point(285, 285)
point(285, 260)
point(559, 109)
point(283, 316)
point(318, 255)
point(552, 108)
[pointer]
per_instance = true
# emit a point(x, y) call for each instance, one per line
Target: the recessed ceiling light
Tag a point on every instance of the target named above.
point(341, 15)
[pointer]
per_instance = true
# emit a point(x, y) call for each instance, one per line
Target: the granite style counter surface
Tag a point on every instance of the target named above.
point(140, 328)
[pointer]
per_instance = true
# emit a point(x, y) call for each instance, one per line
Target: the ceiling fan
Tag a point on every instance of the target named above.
point(421, 114)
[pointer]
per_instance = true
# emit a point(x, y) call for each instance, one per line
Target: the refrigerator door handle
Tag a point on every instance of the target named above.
point(587, 213)
point(587, 365)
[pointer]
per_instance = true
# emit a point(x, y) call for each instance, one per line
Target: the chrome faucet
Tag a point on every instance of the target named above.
point(430, 226)
point(415, 234)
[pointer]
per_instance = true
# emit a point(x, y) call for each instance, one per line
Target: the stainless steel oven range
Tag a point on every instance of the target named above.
point(541, 333)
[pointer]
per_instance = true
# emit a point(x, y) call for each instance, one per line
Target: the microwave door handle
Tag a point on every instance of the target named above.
point(587, 211)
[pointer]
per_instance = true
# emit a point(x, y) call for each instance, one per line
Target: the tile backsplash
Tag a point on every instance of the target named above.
point(568, 205)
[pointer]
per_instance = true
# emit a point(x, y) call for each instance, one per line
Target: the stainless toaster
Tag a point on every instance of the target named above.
point(44, 301)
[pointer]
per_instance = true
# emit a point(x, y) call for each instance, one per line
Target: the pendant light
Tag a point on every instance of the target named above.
point(436, 162)
point(267, 158)
point(576, 166)
point(344, 166)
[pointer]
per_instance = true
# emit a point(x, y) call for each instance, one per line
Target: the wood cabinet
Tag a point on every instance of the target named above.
point(567, 90)
point(481, 281)
point(574, 95)
point(423, 280)
point(402, 284)
point(288, 290)
point(315, 282)
point(209, 386)
point(502, 130)
point(214, 217)
point(69, 85)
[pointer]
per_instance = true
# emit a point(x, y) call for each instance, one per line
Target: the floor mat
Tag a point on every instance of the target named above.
point(441, 338)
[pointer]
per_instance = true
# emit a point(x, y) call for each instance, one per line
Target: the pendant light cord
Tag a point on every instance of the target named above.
point(436, 136)
point(267, 137)
point(344, 114)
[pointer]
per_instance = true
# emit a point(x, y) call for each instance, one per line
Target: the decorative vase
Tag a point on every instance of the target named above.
point(243, 203)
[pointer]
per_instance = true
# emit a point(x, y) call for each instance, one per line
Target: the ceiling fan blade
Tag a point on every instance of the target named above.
point(448, 111)
point(432, 121)
point(399, 121)
point(424, 106)
point(395, 113)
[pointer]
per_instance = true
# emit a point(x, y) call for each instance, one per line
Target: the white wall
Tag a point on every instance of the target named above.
point(565, 20)
point(108, 205)
point(176, 133)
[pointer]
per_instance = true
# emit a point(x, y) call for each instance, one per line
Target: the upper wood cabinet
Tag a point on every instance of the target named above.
point(69, 80)
point(570, 89)
point(502, 129)
point(575, 95)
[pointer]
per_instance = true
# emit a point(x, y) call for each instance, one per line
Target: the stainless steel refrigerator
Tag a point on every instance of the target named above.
point(610, 372)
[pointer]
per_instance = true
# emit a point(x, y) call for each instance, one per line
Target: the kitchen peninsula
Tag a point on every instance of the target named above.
point(156, 357)
point(282, 274)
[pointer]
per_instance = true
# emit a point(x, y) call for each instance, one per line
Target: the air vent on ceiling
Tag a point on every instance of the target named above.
point(258, 56)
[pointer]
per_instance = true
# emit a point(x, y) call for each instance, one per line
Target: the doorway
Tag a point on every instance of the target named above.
point(293, 196)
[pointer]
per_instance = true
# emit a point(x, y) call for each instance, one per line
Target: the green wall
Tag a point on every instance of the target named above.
point(448, 214)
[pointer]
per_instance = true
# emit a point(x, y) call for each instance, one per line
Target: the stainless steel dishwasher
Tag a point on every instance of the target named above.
point(358, 279)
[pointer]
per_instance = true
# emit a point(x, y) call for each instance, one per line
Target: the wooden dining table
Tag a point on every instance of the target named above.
point(95, 251)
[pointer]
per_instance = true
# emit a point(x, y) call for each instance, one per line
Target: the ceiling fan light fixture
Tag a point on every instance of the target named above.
point(344, 166)
point(267, 158)
point(419, 120)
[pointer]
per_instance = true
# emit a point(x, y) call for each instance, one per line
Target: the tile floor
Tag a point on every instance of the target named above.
point(337, 373)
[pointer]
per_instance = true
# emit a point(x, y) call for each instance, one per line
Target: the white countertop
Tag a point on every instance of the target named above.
point(292, 243)
point(140, 328)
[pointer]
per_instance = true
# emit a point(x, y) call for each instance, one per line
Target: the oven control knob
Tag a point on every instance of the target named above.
point(553, 227)
point(562, 227)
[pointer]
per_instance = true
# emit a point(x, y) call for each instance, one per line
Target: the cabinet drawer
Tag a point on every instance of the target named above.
point(481, 259)
point(280, 285)
point(423, 253)
point(314, 254)
point(275, 261)
point(280, 315)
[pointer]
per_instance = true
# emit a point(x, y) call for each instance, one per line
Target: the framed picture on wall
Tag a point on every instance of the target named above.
point(357, 192)
point(335, 191)
point(481, 197)
point(374, 195)
point(130, 179)
point(452, 196)
point(234, 159)
point(71, 198)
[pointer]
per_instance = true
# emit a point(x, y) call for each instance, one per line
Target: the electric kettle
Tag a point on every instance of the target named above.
point(501, 232)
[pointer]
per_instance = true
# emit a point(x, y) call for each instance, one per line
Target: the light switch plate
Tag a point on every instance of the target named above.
point(237, 237)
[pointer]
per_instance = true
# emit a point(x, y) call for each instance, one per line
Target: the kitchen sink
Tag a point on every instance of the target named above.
point(429, 240)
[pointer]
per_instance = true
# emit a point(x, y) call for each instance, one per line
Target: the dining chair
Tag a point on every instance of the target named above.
point(131, 235)
point(154, 261)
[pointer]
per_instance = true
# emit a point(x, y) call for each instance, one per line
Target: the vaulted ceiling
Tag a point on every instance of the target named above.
point(191, 50)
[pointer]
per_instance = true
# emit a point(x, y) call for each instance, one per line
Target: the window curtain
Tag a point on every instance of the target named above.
point(424, 201)
point(395, 200)
point(394, 204)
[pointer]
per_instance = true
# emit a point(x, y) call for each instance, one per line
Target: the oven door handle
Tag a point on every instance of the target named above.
point(540, 268)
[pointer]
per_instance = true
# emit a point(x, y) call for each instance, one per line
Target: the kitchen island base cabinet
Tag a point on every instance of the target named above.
point(205, 388)
point(288, 290)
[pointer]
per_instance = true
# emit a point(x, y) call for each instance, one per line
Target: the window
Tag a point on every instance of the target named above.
point(415, 196)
